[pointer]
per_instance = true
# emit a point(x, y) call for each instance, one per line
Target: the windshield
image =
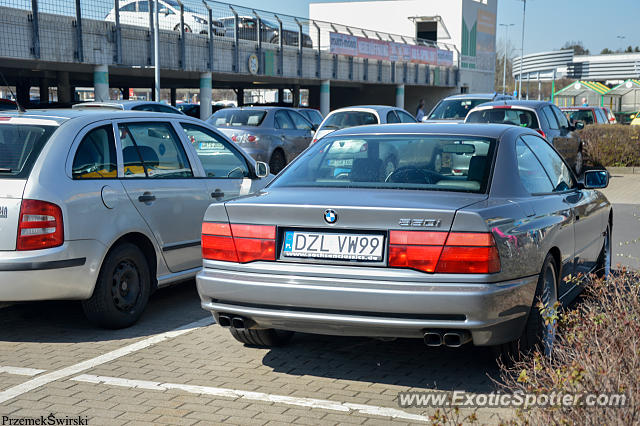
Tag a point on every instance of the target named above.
point(419, 162)
point(342, 120)
point(455, 109)
point(238, 117)
point(516, 117)
point(20, 145)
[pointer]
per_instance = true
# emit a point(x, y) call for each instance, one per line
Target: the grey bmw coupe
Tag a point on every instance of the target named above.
point(334, 246)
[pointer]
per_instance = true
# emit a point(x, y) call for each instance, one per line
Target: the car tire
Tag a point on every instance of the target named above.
point(187, 29)
point(265, 337)
point(122, 290)
point(536, 334)
point(603, 265)
point(579, 164)
point(277, 162)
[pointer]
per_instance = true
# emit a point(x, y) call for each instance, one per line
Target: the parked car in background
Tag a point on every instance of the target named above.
point(271, 134)
point(415, 254)
point(104, 206)
point(313, 115)
point(543, 117)
point(610, 115)
point(136, 12)
point(455, 108)
point(585, 115)
point(635, 121)
point(125, 105)
point(7, 104)
point(626, 117)
point(193, 110)
point(361, 116)
point(248, 30)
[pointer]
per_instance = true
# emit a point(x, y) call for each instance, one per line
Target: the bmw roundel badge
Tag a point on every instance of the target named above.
point(330, 216)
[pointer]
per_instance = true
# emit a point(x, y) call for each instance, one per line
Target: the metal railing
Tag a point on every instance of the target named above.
point(223, 30)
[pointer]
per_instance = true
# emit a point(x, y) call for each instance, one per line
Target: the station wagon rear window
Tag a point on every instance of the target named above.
point(20, 145)
point(418, 162)
point(237, 117)
point(342, 120)
point(513, 116)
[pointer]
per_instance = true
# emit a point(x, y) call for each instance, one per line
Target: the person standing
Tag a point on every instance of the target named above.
point(420, 111)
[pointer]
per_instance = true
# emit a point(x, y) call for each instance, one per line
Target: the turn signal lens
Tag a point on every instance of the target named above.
point(40, 226)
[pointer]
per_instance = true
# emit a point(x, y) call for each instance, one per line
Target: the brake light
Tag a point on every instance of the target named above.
point(541, 133)
point(502, 107)
point(234, 138)
point(442, 252)
point(238, 243)
point(313, 141)
point(5, 118)
point(40, 226)
point(252, 138)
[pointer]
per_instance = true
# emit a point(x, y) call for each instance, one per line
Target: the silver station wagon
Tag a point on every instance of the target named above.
point(106, 206)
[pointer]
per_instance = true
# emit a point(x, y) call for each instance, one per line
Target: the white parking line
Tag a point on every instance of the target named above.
point(99, 360)
point(19, 371)
point(344, 407)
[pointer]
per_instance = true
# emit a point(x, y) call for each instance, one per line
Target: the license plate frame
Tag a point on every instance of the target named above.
point(378, 258)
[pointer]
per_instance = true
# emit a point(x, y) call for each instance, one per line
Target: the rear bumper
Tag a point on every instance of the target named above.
point(66, 272)
point(301, 300)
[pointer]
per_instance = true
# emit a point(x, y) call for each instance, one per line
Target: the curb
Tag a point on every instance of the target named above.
point(624, 170)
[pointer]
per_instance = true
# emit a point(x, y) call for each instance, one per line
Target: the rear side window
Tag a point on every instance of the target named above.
point(556, 169)
point(532, 175)
point(516, 117)
point(153, 150)
point(344, 119)
point(299, 121)
point(405, 118)
point(562, 119)
point(283, 121)
point(20, 145)
point(551, 118)
point(96, 155)
point(601, 117)
point(218, 158)
point(392, 117)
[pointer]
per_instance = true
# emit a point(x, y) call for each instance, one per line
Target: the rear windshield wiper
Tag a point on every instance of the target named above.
point(5, 170)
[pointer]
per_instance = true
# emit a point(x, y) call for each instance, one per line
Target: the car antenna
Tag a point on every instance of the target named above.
point(20, 107)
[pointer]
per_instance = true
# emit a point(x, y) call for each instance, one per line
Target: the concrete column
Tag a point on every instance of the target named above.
point(400, 96)
point(240, 97)
point(64, 88)
point(280, 95)
point(325, 97)
point(125, 93)
point(296, 96)
point(205, 95)
point(101, 83)
point(44, 90)
point(23, 87)
point(173, 96)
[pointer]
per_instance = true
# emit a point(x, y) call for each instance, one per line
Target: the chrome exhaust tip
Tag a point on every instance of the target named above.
point(224, 321)
point(455, 339)
point(433, 339)
point(237, 323)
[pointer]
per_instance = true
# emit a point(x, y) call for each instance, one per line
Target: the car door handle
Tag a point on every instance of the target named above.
point(217, 194)
point(147, 197)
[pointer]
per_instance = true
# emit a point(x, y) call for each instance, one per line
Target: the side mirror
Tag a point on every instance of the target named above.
point(262, 169)
point(579, 125)
point(596, 179)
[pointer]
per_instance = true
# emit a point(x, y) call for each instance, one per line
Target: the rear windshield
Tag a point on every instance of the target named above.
point(455, 109)
point(514, 116)
point(238, 117)
point(584, 115)
point(419, 162)
point(20, 145)
point(342, 120)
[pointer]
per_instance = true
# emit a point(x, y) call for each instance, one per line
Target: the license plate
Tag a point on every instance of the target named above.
point(318, 245)
point(211, 146)
point(341, 162)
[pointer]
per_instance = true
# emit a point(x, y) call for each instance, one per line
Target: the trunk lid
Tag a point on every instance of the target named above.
point(11, 191)
point(376, 210)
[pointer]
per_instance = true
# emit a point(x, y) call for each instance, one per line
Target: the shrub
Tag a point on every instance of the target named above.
point(611, 145)
point(597, 351)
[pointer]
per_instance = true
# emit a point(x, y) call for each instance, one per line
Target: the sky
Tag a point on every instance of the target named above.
point(549, 23)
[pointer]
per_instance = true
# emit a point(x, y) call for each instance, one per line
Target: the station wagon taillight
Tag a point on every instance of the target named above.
point(40, 226)
point(237, 242)
point(541, 133)
point(442, 252)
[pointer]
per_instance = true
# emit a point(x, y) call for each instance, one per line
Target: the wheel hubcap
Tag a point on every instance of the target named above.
point(125, 287)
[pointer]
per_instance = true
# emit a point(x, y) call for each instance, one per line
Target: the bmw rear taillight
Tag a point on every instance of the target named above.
point(238, 243)
point(40, 226)
point(541, 133)
point(442, 252)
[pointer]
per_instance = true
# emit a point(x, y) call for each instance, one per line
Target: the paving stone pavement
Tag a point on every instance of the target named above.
point(338, 370)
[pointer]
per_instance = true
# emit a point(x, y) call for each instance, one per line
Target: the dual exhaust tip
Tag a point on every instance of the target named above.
point(227, 321)
point(449, 338)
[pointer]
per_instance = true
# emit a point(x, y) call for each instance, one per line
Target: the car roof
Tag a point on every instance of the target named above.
point(475, 96)
point(578, 107)
point(368, 108)
point(487, 130)
point(514, 102)
point(124, 102)
point(62, 115)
